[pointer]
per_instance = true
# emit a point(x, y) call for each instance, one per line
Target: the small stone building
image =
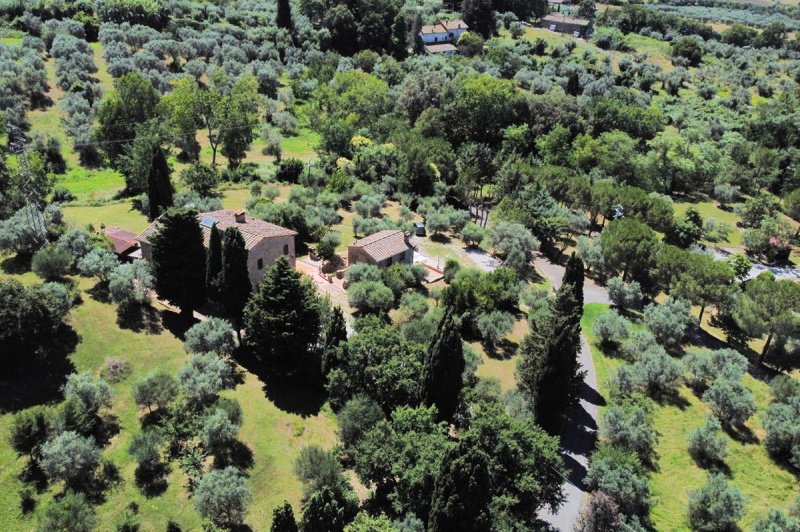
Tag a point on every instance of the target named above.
point(444, 31)
point(384, 248)
point(264, 242)
point(563, 23)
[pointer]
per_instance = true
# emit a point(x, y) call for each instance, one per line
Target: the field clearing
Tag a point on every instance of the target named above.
point(765, 484)
point(92, 185)
point(118, 213)
point(710, 209)
point(274, 436)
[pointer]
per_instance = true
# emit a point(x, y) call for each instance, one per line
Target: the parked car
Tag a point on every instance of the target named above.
point(419, 229)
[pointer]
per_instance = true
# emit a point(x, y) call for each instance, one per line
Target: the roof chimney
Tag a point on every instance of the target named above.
point(240, 217)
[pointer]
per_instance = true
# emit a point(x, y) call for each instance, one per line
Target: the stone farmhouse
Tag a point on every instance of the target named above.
point(265, 242)
point(384, 248)
point(563, 23)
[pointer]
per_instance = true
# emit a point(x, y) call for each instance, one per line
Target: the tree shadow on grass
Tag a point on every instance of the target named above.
point(236, 454)
point(742, 434)
point(717, 466)
point(672, 398)
point(16, 265)
point(32, 474)
point(139, 318)
point(176, 324)
point(39, 378)
point(440, 238)
point(152, 481)
point(503, 350)
point(99, 292)
point(290, 393)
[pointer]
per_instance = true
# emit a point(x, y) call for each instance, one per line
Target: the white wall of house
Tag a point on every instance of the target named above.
point(434, 38)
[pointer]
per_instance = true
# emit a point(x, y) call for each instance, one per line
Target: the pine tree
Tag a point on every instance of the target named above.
point(213, 262)
point(443, 369)
point(282, 318)
point(234, 281)
point(159, 187)
point(573, 275)
point(462, 493)
point(283, 519)
point(548, 372)
point(179, 264)
point(284, 17)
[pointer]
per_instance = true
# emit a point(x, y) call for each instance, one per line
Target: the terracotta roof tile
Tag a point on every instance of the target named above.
point(253, 230)
point(383, 244)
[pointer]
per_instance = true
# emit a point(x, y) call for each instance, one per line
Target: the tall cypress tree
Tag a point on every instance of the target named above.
point(443, 369)
point(573, 275)
point(159, 186)
point(548, 371)
point(179, 264)
point(213, 262)
point(284, 17)
point(234, 281)
point(282, 318)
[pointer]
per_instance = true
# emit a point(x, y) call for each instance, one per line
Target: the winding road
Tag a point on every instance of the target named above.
point(580, 431)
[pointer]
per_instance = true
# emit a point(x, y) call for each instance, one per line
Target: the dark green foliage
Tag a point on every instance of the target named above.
point(379, 363)
point(777, 521)
point(328, 510)
point(201, 178)
point(548, 372)
point(573, 275)
point(158, 388)
point(146, 447)
point(72, 458)
point(356, 418)
point(283, 519)
point(479, 16)
point(29, 430)
point(705, 443)
point(443, 368)
point(70, 513)
point(406, 477)
point(159, 186)
point(462, 493)
point(132, 102)
point(29, 316)
point(213, 262)
point(690, 49)
point(282, 319)
point(628, 248)
point(289, 171)
point(716, 506)
point(234, 281)
point(179, 260)
point(319, 468)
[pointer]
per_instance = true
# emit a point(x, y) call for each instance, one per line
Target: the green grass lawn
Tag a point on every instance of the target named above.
point(92, 185)
point(118, 213)
point(710, 209)
point(273, 435)
point(765, 484)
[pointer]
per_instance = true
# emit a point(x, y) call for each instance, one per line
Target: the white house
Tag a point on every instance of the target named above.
point(444, 31)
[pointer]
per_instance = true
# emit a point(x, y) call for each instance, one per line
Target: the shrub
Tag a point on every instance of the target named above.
point(214, 335)
point(51, 262)
point(362, 272)
point(610, 329)
point(784, 388)
point(669, 321)
point(116, 370)
point(201, 178)
point(71, 513)
point(72, 458)
point(289, 171)
point(625, 296)
point(600, 513)
point(98, 263)
point(776, 521)
point(783, 432)
point(628, 426)
point(620, 472)
point(472, 234)
point(730, 401)
point(318, 468)
point(328, 243)
point(637, 343)
point(706, 445)
point(370, 296)
point(451, 268)
point(494, 325)
point(222, 496)
point(715, 506)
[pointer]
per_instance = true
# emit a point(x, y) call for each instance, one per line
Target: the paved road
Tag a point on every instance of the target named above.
point(580, 432)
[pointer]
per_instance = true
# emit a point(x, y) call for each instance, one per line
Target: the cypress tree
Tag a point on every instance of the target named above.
point(234, 281)
point(462, 492)
point(548, 372)
point(443, 369)
point(213, 262)
point(573, 275)
point(282, 317)
point(283, 519)
point(284, 17)
point(400, 37)
point(416, 40)
point(179, 264)
point(159, 187)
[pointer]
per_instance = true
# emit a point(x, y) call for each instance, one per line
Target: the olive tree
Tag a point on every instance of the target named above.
point(214, 335)
point(72, 458)
point(222, 496)
point(717, 505)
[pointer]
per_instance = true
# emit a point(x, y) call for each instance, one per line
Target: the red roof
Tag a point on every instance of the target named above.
point(384, 244)
point(123, 240)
